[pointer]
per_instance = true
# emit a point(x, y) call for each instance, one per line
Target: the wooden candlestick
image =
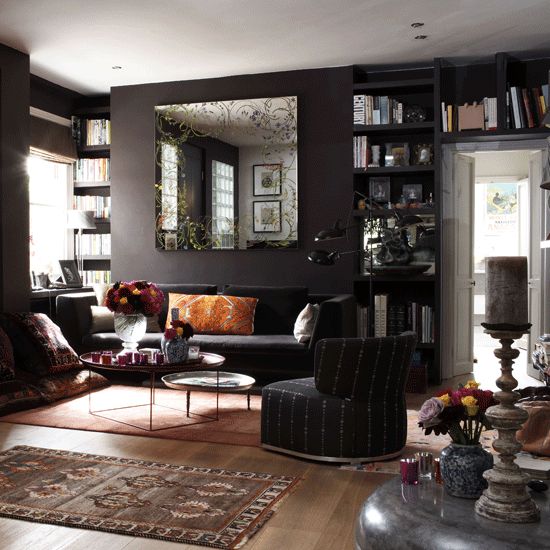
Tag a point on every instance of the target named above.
point(506, 498)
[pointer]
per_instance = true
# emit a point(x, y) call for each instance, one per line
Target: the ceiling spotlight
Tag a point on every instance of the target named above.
point(417, 25)
point(116, 67)
point(421, 37)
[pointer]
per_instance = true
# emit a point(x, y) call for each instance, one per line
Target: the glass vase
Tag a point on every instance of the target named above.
point(130, 328)
point(462, 468)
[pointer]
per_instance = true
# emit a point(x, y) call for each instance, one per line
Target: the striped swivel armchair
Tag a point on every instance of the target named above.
point(353, 410)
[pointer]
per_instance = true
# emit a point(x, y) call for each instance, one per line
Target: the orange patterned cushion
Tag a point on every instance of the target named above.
point(215, 314)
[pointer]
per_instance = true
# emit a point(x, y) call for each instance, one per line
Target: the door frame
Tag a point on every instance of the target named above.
point(447, 154)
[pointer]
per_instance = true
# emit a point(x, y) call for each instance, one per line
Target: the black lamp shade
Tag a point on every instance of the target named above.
point(322, 257)
point(335, 232)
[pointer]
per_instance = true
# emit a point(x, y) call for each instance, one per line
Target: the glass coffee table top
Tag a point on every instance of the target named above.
point(208, 381)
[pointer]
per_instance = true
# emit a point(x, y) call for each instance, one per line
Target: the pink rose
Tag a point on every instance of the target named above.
point(430, 411)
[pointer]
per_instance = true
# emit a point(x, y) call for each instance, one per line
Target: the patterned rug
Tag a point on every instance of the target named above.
point(203, 506)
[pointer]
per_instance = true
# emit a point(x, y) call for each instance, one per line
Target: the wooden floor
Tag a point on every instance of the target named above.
point(319, 515)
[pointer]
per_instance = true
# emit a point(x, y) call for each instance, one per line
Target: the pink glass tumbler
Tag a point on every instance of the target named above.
point(409, 471)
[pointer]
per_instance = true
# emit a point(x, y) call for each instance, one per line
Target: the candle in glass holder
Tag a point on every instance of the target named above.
point(409, 471)
point(96, 356)
point(425, 464)
point(506, 292)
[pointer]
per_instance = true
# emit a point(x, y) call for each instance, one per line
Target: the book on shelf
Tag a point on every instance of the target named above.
point(451, 121)
point(94, 244)
point(94, 131)
point(374, 110)
point(88, 169)
point(92, 277)
point(361, 152)
point(526, 107)
point(101, 206)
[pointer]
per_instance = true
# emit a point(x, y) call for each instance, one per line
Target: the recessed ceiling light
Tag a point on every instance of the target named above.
point(116, 67)
point(417, 24)
point(421, 37)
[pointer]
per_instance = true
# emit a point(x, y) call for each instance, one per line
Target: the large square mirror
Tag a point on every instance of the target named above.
point(226, 175)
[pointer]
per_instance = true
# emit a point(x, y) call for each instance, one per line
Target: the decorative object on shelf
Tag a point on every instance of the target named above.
point(267, 179)
point(461, 414)
point(423, 154)
point(80, 219)
point(397, 154)
point(402, 270)
point(69, 274)
point(267, 216)
point(506, 313)
point(174, 340)
point(131, 302)
point(471, 117)
point(379, 189)
point(412, 192)
point(375, 157)
point(414, 113)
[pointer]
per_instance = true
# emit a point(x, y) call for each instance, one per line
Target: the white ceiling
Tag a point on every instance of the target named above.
point(76, 42)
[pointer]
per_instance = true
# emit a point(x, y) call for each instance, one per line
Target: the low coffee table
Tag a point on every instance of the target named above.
point(211, 361)
point(209, 381)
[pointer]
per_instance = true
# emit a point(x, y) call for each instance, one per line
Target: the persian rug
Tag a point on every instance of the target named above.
point(236, 426)
point(203, 506)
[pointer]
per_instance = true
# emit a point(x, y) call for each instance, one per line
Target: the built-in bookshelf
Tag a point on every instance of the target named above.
point(92, 181)
point(395, 169)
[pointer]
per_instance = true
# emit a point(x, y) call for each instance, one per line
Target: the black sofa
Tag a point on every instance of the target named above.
point(271, 353)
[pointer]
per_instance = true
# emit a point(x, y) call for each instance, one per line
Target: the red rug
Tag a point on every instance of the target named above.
point(236, 425)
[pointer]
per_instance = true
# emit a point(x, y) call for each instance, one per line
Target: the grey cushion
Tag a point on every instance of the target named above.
point(181, 289)
point(256, 343)
point(277, 307)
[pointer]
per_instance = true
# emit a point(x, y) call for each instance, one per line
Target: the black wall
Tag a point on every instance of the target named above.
point(14, 198)
point(324, 181)
point(52, 98)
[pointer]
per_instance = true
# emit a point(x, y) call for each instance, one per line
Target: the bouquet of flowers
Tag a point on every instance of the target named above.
point(178, 329)
point(135, 297)
point(459, 413)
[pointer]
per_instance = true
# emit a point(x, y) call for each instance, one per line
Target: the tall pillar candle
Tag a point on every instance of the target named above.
point(506, 292)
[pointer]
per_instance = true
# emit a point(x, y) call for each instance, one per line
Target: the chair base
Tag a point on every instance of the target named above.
point(343, 459)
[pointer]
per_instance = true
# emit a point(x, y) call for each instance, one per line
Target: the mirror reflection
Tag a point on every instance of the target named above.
point(226, 175)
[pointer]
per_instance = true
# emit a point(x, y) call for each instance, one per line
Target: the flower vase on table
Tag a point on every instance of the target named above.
point(174, 341)
point(461, 414)
point(131, 302)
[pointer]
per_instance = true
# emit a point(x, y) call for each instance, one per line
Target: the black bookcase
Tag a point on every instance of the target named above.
point(94, 187)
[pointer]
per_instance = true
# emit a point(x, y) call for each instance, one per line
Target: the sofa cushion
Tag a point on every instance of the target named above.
point(181, 289)
point(277, 307)
point(16, 395)
point(38, 344)
point(215, 314)
point(7, 362)
point(303, 327)
point(263, 344)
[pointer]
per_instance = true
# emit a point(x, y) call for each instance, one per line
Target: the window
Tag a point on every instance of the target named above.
point(49, 192)
point(223, 212)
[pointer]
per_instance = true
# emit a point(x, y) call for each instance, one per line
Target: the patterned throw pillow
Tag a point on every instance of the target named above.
point(7, 362)
point(215, 314)
point(38, 344)
point(16, 395)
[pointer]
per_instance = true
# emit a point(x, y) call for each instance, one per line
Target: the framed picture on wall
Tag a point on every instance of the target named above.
point(267, 216)
point(69, 273)
point(267, 179)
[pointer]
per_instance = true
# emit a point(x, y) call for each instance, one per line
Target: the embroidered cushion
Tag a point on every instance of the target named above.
point(7, 362)
point(303, 327)
point(16, 395)
point(215, 314)
point(39, 346)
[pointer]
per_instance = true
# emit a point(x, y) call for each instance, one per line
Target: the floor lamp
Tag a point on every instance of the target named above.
point(80, 219)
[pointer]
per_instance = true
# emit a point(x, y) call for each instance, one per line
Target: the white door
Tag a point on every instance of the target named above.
point(535, 294)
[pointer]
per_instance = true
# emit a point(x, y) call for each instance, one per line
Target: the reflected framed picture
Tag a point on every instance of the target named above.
point(379, 189)
point(412, 192)
point(267, 179)
point(69, 273)
point(267, 216)
point(170, 241)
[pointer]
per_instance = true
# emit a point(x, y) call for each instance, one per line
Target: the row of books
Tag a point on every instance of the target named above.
point(93, 169)
point(101, 206)
point(91, 277)
point(368, 109)
point(94, 131)
point(482, 116)
point(526, 107)
point(393, 319)
point(361, 152)
point(95, 244)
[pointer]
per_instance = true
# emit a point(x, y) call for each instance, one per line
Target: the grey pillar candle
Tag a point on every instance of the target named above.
point(506, 291)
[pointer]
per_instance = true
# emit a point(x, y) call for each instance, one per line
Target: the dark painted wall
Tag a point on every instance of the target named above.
point(14, 199)
point(324, 180)
point(52, 98)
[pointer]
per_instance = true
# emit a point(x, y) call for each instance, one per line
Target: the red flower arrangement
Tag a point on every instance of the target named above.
point(135, 297)
point(178, 329)
point(459, 413)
